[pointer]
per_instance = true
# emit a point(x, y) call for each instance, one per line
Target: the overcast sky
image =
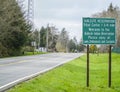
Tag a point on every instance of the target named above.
point(68, 13)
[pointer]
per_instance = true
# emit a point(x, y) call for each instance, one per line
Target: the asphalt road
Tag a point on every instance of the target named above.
point(17, 69)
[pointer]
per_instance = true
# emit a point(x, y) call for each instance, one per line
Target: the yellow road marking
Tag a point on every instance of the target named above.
point(12, 63)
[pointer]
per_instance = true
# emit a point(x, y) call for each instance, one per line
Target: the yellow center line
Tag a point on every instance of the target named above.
point(12, 63)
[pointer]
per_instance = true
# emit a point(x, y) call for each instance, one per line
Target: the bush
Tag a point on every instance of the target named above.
point(116, 50)
point(27, 49)
point(3, 51)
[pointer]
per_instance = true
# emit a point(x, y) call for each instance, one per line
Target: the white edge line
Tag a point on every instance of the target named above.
point(11, 84)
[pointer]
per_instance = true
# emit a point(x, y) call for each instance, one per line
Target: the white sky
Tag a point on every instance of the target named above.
point(68, 13)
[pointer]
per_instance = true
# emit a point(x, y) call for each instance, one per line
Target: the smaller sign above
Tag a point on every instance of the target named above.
point(99, 31)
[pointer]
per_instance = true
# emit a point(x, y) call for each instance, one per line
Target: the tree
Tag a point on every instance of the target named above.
point(71, 45)
point(14, 28)
point(81, 46)
point(93, 48)
point(52, 38)
point(62, 42)
point(36, 37)
point(112, 12)
point(43, 37)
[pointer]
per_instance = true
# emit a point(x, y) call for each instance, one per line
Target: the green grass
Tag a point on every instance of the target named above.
point(33, 53)
point(71, 77)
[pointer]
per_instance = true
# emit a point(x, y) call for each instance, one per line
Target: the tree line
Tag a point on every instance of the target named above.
point(58, 41)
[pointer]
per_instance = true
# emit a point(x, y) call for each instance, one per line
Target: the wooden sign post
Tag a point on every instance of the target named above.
point(109, 70)
point(87, 66)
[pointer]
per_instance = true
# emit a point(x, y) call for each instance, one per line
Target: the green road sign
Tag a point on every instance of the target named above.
point(99, 31)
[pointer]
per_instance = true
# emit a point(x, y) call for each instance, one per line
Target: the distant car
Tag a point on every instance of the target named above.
point(75, 51)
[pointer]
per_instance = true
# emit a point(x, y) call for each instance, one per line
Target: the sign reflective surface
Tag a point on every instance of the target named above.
point(99, 31)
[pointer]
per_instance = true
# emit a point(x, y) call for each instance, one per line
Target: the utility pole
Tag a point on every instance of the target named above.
point(39, 39)
point(47, 34)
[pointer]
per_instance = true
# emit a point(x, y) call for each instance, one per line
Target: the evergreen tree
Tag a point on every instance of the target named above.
point(14, 28)
point(43, 37)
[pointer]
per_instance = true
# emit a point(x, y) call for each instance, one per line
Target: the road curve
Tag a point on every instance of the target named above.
point(17, 69)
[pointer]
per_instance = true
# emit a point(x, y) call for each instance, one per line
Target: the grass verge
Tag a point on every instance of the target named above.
point(33, 53)
point(71, 77)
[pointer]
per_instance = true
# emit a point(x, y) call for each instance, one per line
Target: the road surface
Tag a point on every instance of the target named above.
point(17, 69)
